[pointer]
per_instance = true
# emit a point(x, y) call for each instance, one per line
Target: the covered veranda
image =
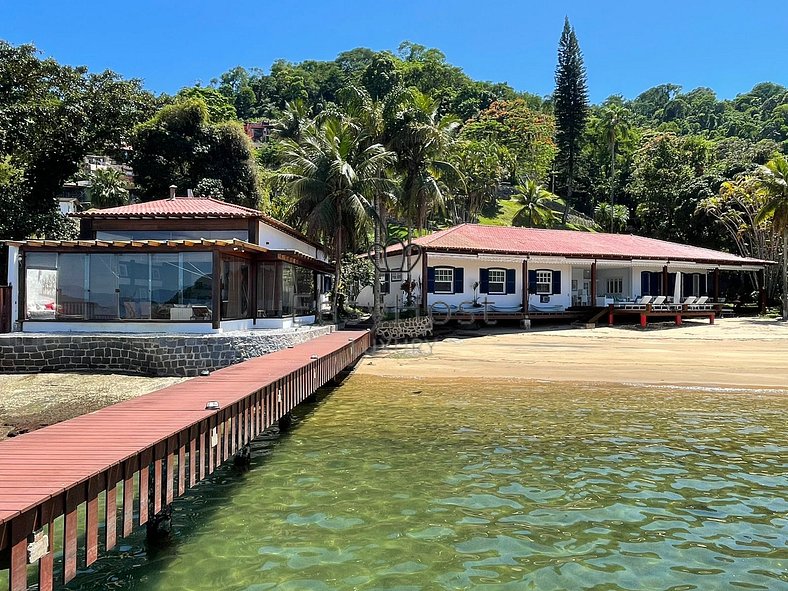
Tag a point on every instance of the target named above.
point(161, 285)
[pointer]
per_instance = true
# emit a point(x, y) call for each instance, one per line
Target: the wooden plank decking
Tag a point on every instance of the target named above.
point(52, 471)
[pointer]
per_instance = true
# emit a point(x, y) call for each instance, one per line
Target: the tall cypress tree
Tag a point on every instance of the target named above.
point(570, 102)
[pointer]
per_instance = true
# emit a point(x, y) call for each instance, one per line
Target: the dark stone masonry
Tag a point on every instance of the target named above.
point(150, 354)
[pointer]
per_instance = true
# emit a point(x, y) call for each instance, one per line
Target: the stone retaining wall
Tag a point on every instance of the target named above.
point(156, 355)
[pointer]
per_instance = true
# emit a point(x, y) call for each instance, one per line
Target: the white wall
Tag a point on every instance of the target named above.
point(275, 239)
point(286, 322)
point(472, 266)
point(168, 327)
point(603, 273)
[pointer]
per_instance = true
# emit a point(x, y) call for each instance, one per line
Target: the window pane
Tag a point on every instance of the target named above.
point(196, 284)
point(40, 286)
point(71, 286)
point(268, 290)
point(103, 286)
point(288, 289)
point(444, 280)
point(304, 291)
point(235, 288)
point(134, 285)
point(165, 287)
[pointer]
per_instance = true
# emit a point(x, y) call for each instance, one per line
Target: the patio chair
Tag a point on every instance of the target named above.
point(659, 305)
point(701, 304)
point(688, 301)
point(640, 303)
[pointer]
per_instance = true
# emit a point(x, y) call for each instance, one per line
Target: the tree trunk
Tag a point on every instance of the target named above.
point(785, 273)
point(377, 258)
point(612, 180)
point(569, 179)
point(337, 265)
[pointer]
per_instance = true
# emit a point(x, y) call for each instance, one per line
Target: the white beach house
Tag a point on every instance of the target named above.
point(539, 271)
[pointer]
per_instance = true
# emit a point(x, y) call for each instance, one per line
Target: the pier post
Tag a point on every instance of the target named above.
point(285, 422)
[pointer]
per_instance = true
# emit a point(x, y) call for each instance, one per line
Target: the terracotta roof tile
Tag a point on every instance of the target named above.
point(178, 207)
point(532, 241)
point(192, 207)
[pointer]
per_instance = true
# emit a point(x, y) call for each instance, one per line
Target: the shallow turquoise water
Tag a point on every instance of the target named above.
point(387, 485)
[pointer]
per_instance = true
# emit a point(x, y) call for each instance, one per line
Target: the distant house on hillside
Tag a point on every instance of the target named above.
point(258, 132)
point(183, 264)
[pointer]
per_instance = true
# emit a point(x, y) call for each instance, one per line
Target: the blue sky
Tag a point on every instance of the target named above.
point(629, 46)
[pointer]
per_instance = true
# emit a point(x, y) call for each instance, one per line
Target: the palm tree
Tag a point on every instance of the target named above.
point(421, 139)
point(108, 188)
point(775, 180)
point(333, 176)
point(535, 201)
point(615, 217)
point(295, 118)
point(370, 117)
point(615, 124)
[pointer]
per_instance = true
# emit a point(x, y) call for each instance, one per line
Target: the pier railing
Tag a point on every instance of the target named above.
point(159, 444)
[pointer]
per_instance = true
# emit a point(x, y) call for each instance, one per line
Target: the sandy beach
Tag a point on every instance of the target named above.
point(733, 353)
point(31, 401)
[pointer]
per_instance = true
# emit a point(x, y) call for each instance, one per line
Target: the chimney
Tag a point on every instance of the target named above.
point(172, 191)
point(189, 193)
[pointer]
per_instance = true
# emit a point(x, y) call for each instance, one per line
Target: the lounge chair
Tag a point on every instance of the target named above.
point(701, 304)
point(659, 305)
point(688, 301)
point(640, 303)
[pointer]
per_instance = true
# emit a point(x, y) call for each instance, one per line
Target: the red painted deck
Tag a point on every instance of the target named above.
point(50, 472)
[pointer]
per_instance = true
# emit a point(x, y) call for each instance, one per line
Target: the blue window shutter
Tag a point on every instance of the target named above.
point(703, 284)
point(671, 283)
point(484, 281)
point(687, 285)
point(644, 283)
point(510, 281)
point(531, 281)
point(430, 279)
point(459, 280)
point(556, 282)
point(656, 283)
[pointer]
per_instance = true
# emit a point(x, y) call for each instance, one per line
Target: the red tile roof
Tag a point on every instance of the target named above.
point(473, 238)
point(188, 208)
point(179, 207)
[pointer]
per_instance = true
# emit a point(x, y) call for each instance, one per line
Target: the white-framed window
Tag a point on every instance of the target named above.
point(496, 281)
point(615, 285)
point(544, 282)
point(444, 280)
point(396, 276)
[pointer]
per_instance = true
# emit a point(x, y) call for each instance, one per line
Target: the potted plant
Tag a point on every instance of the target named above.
point(476, 303)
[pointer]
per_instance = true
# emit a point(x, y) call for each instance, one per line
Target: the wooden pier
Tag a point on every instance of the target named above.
point(166, 438)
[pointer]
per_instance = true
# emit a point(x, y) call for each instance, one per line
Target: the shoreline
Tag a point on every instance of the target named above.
point(733, 354)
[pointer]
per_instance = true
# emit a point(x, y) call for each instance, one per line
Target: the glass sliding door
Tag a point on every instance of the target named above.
point(40, 286)
point(235, 288)
point(268, 291)
point(134, 286)
point(304, 287)
point(72, 287)
point(103, 301)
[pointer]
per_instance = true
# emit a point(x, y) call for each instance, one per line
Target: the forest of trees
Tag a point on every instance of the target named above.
point(427, 146)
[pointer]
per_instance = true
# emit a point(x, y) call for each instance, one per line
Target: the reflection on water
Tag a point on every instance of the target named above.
point(387, 485)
